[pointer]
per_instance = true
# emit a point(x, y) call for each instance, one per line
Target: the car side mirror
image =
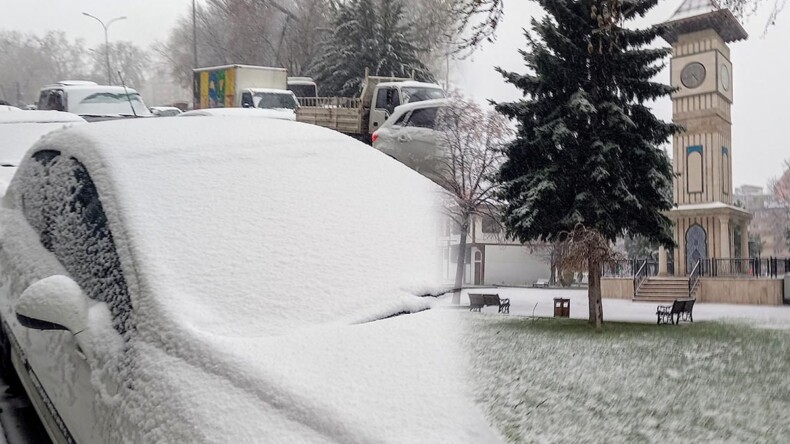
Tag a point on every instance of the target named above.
point(53, 303)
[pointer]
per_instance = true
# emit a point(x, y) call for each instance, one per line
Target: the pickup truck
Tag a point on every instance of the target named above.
point(361, 116)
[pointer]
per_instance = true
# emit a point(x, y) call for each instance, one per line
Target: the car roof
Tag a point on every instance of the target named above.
point(238, 112)
point(39, 116)
point(405, 108)
point(271, 90)
point(90, 88)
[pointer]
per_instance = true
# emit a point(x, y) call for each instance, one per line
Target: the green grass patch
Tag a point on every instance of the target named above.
point(552, 380)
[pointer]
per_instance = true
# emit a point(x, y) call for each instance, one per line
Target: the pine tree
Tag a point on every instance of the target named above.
point(397, 54)
point(367, 34)
point(588, 150)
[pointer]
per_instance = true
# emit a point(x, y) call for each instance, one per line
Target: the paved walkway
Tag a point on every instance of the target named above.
point(539, 302)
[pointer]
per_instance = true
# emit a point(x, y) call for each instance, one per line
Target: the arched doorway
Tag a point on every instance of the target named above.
point(696, 246)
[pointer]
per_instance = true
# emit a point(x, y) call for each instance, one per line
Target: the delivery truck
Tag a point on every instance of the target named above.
point(235, 86)
point(359, 117)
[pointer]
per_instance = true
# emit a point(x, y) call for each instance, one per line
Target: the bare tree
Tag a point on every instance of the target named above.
point(28, 62)
point(132, 62)
point(255, 32)
point(584, 249)
point(470, 142)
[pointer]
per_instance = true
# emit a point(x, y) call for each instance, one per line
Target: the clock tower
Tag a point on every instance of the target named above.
point(704, 217)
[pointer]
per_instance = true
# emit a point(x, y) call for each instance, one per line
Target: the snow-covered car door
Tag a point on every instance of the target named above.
point(417, 140)
point(70, 232)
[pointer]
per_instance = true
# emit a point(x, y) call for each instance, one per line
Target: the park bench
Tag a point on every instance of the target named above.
point(542, 283)
point(680, 310)
point(478, 301)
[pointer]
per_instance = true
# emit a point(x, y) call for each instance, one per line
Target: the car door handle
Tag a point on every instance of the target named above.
point(403, 138)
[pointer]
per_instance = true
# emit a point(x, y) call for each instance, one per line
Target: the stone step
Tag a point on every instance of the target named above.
point(657, 300)
point(666, 287)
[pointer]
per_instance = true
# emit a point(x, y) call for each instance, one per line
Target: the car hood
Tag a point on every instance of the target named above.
point(395, 380)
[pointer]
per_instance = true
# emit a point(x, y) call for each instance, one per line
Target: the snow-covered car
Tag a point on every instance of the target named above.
point(164, 111)
point(20, 130)
point(92, 101)
point(242, 112)
point(408, 135)
point(201, 280)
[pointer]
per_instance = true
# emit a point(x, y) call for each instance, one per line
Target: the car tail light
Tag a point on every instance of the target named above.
point(374, 136)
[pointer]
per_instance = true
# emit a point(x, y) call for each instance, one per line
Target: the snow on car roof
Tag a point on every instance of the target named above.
point(241, 112)
point(39, 117)
point(19, 131)
point(405, 108)
point(271, 90)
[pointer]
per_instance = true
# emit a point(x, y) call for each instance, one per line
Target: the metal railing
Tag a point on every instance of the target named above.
point(640, 277)
point(628, 267)
point(694, 278)
point(756, 267)
point(330, 102)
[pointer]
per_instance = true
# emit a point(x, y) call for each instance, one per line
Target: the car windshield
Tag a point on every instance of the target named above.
point(269, 100)
point(419, 94)
point(105, 103)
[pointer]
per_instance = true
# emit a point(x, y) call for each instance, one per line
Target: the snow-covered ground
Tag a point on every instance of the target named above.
point(540, 303)
point(555, 380)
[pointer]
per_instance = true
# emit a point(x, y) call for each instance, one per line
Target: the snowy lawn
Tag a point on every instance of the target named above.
point(547, 380)
point(526, 301)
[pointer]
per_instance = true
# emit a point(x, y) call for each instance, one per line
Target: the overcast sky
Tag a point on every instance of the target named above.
point(761, 71)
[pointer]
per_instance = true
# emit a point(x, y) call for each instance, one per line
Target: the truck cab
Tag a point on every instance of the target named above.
point(388, 95)
point(278, 100)
point(303, 86)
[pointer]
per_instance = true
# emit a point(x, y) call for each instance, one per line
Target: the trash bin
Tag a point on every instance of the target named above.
point(562, 308)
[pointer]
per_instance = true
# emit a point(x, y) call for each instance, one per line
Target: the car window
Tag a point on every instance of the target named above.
point(401, 119)
point(62, 204)
point(381, 98)
point(423, 118)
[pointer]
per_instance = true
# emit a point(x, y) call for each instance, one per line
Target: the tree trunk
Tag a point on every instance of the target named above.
point(594, 293)
point(459, 268)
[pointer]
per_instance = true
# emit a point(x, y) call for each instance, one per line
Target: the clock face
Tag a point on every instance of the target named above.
point(725, 77)
point(693, 75)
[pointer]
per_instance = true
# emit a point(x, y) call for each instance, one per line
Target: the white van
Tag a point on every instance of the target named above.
point(92, 101)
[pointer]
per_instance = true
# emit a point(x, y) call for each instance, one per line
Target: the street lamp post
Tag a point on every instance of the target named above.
point(106, 41)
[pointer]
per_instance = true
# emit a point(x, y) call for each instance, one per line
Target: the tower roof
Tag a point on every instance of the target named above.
point(696, 15)
point(690, 8)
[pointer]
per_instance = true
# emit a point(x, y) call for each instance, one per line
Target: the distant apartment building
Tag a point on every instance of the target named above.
point(491, 259)
point(769, 222)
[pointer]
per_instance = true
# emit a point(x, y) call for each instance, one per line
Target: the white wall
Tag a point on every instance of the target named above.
point(513, 265)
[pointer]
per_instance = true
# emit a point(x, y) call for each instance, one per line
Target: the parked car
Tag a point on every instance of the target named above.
point(202, 280)
point(241, 112)
point(165, 111)
point(20, 130)
point(409, 136)
point(92, 101)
